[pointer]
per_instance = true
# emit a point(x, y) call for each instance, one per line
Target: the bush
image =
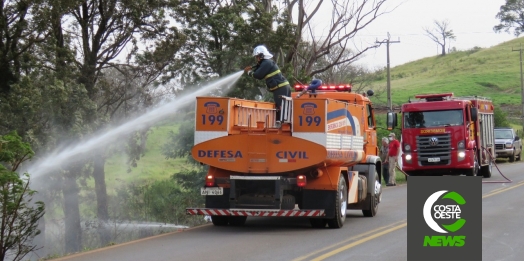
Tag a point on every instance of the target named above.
point(19, 216)
point(164, 200)
point(500, 117)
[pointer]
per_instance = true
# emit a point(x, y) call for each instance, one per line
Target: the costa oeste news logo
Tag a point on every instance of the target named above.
point(444, 217)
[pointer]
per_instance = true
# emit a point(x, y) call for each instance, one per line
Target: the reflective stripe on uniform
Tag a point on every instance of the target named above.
point(278, 86)
point(272, 74)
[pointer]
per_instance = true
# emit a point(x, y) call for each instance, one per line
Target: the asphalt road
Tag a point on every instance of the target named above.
point(382, 237)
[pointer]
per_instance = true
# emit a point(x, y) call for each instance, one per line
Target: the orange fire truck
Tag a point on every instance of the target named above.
point(444, 134)
point(317, 161)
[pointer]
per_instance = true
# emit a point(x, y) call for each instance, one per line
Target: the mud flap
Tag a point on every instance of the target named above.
point(320, 199)
point(362, 188)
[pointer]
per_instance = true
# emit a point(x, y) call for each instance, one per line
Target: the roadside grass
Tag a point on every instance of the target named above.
point(400, 178)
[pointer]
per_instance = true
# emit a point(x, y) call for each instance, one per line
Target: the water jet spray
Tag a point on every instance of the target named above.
point(48, 163)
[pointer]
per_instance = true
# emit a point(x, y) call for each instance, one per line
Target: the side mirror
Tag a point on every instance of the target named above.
point(517, 138)
point(474, 114)
point(391, 120)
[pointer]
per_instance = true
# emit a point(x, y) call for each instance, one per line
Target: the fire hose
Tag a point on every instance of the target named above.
point(491, 159)
point(303, 91)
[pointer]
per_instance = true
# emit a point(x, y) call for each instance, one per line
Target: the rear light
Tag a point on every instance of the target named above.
point(210, 181)
point(299, 88)
point(301, 181)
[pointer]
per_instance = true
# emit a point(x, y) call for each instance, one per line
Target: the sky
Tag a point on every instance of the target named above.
point(472, 22)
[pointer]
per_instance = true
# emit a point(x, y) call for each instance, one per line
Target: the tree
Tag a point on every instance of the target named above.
point(100, 32)
point(511, 16)
point(40, 100)
point(440, 34)
point(19, 215)
point(346, 20)
point(221, 37)
point(21, 27)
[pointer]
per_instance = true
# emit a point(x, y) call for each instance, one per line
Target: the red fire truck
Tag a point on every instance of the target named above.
point(446, 135)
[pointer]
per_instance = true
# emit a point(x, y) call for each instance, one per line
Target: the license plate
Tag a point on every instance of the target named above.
point(433, 159)
point(212, 191)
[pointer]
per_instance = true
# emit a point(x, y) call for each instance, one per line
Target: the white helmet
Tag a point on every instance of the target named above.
point(262, 50)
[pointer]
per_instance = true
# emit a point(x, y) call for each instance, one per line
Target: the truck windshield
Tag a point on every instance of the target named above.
point(427, 119)
point(503, 134)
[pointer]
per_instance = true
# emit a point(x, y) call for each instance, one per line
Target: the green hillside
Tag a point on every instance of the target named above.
point(488, 72)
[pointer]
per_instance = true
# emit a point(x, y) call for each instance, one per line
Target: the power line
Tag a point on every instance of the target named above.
point(388, 42)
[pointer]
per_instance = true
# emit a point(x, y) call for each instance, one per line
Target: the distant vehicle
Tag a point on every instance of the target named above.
point(446, 135)
point(507, 144)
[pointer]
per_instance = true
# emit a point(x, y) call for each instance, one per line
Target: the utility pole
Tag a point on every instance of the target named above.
point(388, 42)
point(521, 86)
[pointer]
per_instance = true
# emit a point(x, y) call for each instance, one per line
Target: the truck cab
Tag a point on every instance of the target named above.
point(507, 144)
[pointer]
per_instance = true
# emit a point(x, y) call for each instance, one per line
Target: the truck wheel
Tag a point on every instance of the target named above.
point(475, 170)
point(512, 157)
point(486, 170)
point(219, 220)
point(341, 204)
point(237, 221)
point(318, 222)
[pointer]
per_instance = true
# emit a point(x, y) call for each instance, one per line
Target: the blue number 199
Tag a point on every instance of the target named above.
point(212, 119)
point(309, 120)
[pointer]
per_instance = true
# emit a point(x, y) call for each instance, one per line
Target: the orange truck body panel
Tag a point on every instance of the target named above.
point(246, 147)
point(263, 153)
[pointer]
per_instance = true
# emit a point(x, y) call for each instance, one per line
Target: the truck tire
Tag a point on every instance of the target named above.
point(237, 221)
point(486, 170)
point(512, 157)
point(519, 157)
point(318, 222)
point(475, 170)
point(219, 221)
point(341, 204)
